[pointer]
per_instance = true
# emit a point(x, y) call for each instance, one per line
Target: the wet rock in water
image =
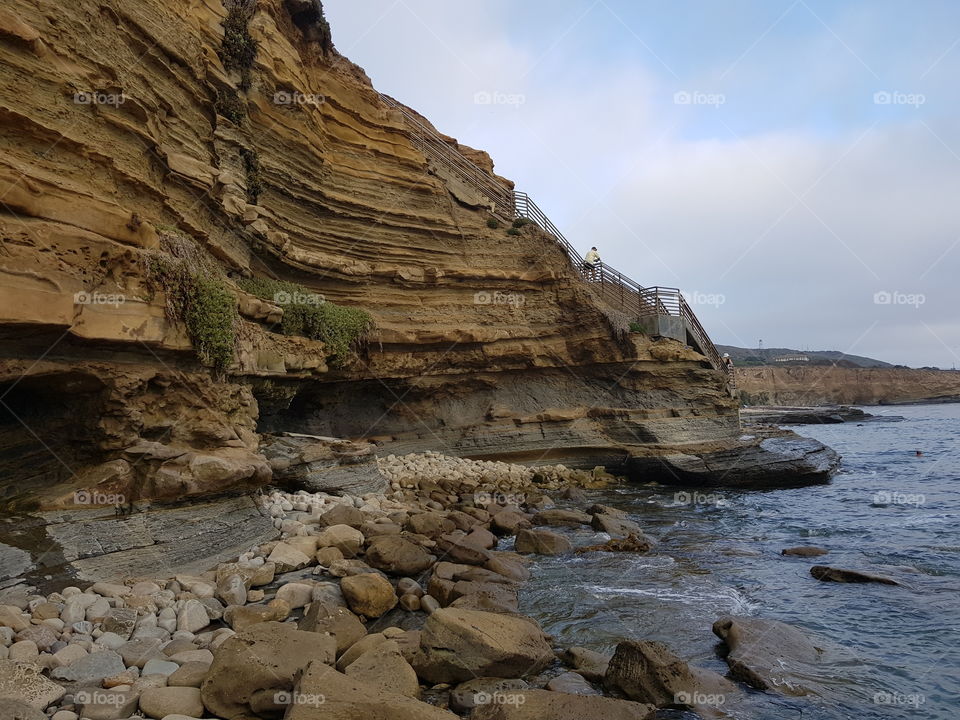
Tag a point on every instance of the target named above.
point(783, 461)
point(615, 525)
point(561, 518)
point(458, 644)
point(266, 656)
point(631, 543)
point(368, 594)
point(160, 702)
point(397, 556)
point(542, 704)
point(322, 617)
point(841, 575)
point(385, 668)
point(542, 542)
point(592, 665)
point(22, 682)
point(572, 683)
point(507, 522)
point(804, 551)
point(339, 697)
point(770, 655)
point(651, 673)
point(465, 696)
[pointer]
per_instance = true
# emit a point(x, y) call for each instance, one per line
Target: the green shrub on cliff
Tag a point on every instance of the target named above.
point(239, 48)
point(308, 314)
point(197, 297)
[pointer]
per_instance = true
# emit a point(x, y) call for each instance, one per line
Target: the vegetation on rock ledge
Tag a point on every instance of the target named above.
point(197, 297)
point(309, 315)
point(239, 48)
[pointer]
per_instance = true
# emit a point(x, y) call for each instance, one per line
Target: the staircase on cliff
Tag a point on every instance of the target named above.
point(659, 311)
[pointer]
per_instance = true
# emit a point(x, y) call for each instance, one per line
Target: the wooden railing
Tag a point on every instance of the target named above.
point(613, 287)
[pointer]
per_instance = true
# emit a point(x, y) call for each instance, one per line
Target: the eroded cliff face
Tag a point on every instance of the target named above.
point(123, 125)
point(845, 386)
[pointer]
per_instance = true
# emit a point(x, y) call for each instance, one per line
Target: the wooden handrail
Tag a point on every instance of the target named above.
point(615, 288)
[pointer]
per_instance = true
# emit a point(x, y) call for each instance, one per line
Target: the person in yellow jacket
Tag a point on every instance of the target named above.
point(591, 263)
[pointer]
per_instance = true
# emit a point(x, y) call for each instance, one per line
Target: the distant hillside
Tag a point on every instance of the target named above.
point(748, 357)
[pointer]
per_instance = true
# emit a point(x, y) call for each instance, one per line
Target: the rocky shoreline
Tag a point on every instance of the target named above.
point(400, 604)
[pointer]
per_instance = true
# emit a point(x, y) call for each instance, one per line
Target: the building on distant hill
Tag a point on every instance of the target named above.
point(791, 358)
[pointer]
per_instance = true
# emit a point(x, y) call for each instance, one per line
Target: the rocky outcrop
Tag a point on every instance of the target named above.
point(843, 575)
point(286, 163)
point(826, 385)
point(762, 460)
point(649, 672)
point(771, 655)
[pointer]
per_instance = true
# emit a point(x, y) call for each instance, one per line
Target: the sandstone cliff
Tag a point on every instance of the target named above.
point(845, 386)
point(128, 130)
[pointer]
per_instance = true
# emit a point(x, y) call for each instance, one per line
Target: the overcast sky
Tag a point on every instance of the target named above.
point(792, 165)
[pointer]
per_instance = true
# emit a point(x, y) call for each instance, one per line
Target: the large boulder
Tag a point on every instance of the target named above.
point(22, 682)
point(258, 662)
point(321, 464)
point(397, 556)
point(649, 672)
point(589, 663)
point(325, 694)
point(544, 705)
point(561, 518)
point(770, 655)
point(369, 594)
point(344, 538)
point(542, 542)
point(159, 702)
point(385, 668)
point(458, 644)
point(326, 617)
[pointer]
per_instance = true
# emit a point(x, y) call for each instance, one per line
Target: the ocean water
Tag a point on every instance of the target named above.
point(895, 651)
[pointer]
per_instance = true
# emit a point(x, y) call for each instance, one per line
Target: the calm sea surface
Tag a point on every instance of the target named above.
point(886, 510)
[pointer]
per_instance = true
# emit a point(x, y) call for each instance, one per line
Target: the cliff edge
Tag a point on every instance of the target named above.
point(184, 184)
